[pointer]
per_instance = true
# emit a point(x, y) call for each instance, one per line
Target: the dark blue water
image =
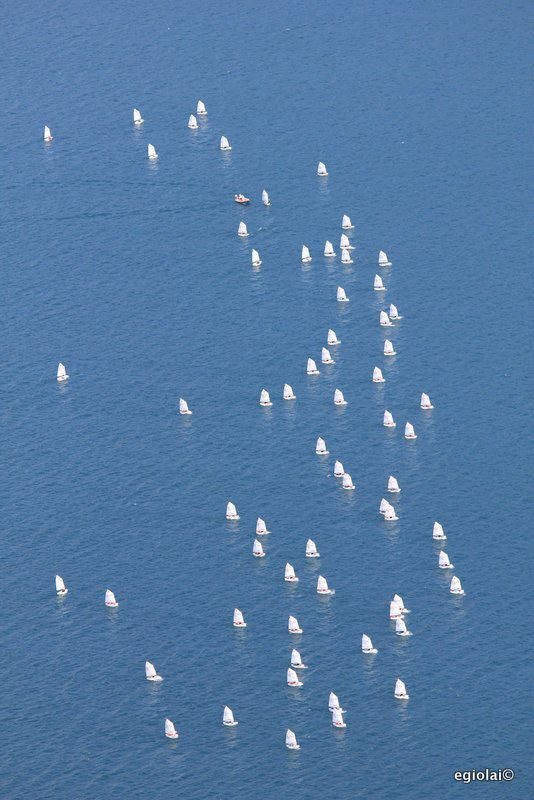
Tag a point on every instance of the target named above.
point(131, 273)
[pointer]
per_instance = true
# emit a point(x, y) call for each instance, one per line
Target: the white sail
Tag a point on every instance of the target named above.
point(347, 481)
point(137, 118)
point(377, 376)
point(337, 718)
point(47, 135)
point(261, 527)
point(231, 511)
point(289, 574)
point(329, 249)
point(344, 242)
point(170, 730)
point(384, 319)
point(265, 400)
point(311, 549)
point(332, 338)
point(333, 702)
point(326, 358)
point(400, 628)
point(341, 295)
point(409, 432)
point(239, 620)
point(201, 109)
point(293, 625)
point(393, 312)
point(306, 257)
point(438, 532)
point(384, 504)
point(444, 561)
point(288, 392)
point(339, 399)
point(184, 408)
point(367, 644)
point(425, 401)
point(228, 717)
point(225, 144)
point(346, 223)
point(255, 258)
point(320, 447)
point(395, 611)
point(151, 151)
point(291, 740)
point(242, 229)
point(400, 690)
point(383, 260)
point(388, 348)
point(110, 599)
point(151, 674)
point(61, 589)
point(338, 469)
point(389, 514)
point(311, 367)
point(378, 284)
point(296, 660)
point(456, 586)
point(265, 199)
point(345, 257)
point(292, 678)
point(393, 484)
point(321, 169)
point(322, 586)
point(61, 373)
point(257, 549)
point(389, 422)
point(192, 124)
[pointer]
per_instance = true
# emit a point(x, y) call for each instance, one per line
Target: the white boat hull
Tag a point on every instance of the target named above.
point(155, 678)
point(171, 735)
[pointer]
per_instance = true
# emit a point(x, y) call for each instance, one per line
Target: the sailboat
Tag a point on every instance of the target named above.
point(296, 660)
point(239, 620)
point(289, 574)
point(320, 447)
point(389, 422)
point(393, 484)
point(385, 320)
point(265, 400)
point(288, 392)
point(326, 358)
point(393, 312)
point(400, 690)
point(61, 373)
point(383, 260)
point(255, 258)
point(265, 198)
point(333, 702)
point(400, 602)
point(378, 284)
point(339, 471)
point(322, 586)
point(401, 629)
point(184, 408)
point(331, 338)
point(225, 144)
point(261, 527)
point(201, 109)
point(151, 151)
point(293, 625)
point(456, 586)
point(389, 514)
point(344, 242)
point(425, 402)
point(257, 549)
point(321, 169)
point(306, 257)
point(367, 645)
point(377, 376)
point(311, 549)
point(137, 118)
point(388, 348)
point(231, 511)
point(341, 296)
point(293, 678)
point(242, 229)
point(409, 432)
point(329, 249)
point(61, 589)
point(291, 741)
point(151, 674)
point(346, 224)
point(438, 533)
point(395, 611)
point(337, 718)
point(170, 730)
point(444, 562)
point(110, 600)
point(228, 718)
point(339, 399)
point(47, 135)
point(347, 481)
point(345, 257)
point(192, 124)
point(311, 367)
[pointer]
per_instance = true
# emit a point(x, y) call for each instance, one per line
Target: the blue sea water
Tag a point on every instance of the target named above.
point(131, 273)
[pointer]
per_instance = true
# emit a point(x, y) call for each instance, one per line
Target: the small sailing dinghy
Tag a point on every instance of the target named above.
point(401, 629)
point(346, 224)
point(225, 144)
point(400, 690)
point(239, 620)
point(322, 586)
point(296, 660)
point(320, 447)
point(393, 484)
point(291, 741)
point(170, 730)
point(347, 481)
point(293, 625)
point(231, 511)
point(456, 586)
point(339, 399)
point(192, 123)
point(378, 284)
point(110, 600)
point(333, 702)
point(385, 320)
point(265, 400)
point(137, 118)
point(61, 373)
point(321, 169)
point(383, 505)
point(438, 533)
point(257, 549)
point(331, 338)
point(255, 258)
point(339, 470)
point(393, 312)
point(389, 422)
point(265, 199)
point(241, 199)
point(151, 152)
point(311, 549)
point(337, 718)
point(326, 358)
point(261, 527)
point(389, 514)
point(344, 242)
point(377, 376)
point(184, 408)
point(388, 348)
point(400, 602)
point(329, 249)
point(305, 257)
point(151, 674)
point(425, 402)
point(345, 257)
point(443, 560)
point(201, 109)
point(61, 589)
point(367, 645)
point(47, 135)
point(289, 574)
point(383, 260)
point(341, 296)
point(242, 229)
point(409, 432)
point(293, 678)
point(395, 611)
point(311, 367)
point(228, 718)
point(288, 392)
